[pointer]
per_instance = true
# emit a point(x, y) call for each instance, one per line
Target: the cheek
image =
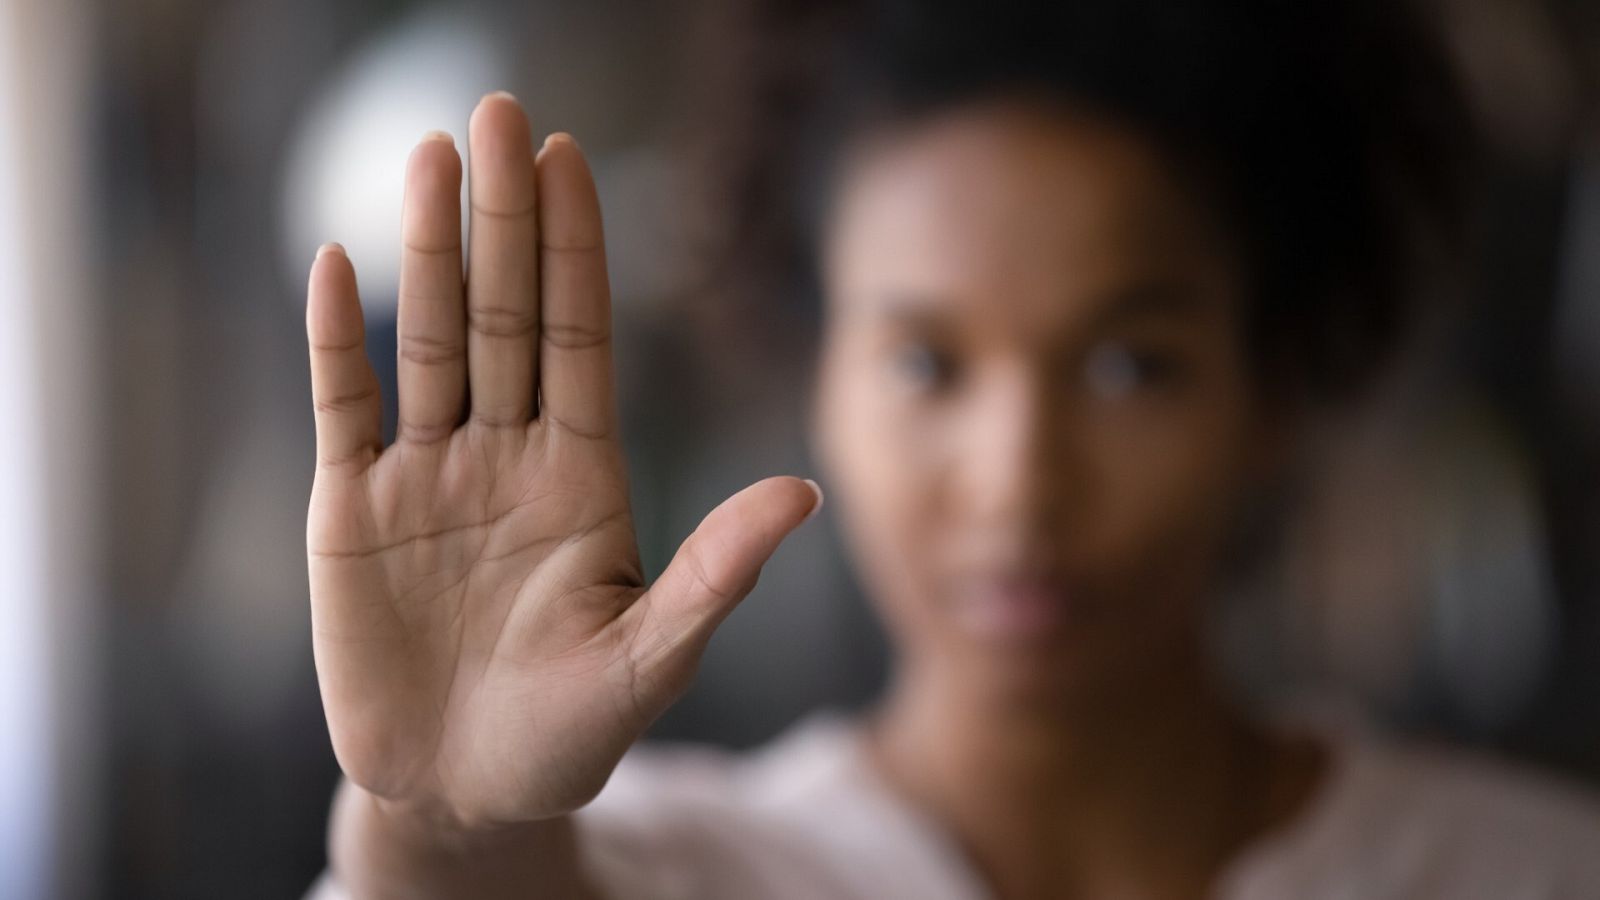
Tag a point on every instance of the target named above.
point(892, 494)
point(1166, 490)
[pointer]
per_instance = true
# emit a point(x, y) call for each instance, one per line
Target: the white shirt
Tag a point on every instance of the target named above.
point(807, 818)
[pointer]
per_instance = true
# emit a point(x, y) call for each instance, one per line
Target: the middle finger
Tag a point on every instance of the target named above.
point(502, 265)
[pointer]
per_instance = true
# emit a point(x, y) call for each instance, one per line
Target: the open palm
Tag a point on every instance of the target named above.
point(485, 644)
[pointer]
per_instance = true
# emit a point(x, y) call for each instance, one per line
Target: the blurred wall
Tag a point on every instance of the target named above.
point(51, 737)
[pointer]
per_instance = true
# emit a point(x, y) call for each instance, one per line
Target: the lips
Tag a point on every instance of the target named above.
point(1017, 610)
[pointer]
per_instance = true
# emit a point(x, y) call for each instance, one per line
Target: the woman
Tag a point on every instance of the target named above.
point(1087, 271)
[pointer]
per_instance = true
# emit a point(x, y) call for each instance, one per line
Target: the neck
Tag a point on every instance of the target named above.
point(1143, 794)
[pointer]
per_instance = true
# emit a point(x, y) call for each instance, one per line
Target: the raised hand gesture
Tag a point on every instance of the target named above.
point(485, 643)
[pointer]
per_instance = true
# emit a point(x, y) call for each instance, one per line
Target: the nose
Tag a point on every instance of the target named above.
point(1019, 464)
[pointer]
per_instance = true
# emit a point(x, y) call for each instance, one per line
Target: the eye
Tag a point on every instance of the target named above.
point(1116, 370)
point(923, 366)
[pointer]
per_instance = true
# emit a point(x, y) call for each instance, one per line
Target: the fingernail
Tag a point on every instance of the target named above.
point(560, 137)
point(439, 136)
point(330, 247)
point(816, 489)
point(504, 95)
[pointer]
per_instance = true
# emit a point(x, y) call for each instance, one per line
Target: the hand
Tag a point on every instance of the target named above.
point(485, 645)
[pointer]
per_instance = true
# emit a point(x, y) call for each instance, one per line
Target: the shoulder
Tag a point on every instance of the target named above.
point(684, 820)
point(1490, 809)
point(1519, 797)
point(1407, 820)
point(801, 817)
point(815, 754)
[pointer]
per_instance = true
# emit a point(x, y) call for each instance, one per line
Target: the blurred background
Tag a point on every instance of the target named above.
point(167, 169)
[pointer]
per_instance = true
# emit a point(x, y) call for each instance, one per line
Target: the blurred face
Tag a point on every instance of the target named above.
point(1033, 404)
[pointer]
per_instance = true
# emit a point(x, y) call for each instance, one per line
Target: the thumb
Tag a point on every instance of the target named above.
point(719, 564)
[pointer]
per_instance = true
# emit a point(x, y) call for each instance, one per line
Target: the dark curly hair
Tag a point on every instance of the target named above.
point(1330, 133)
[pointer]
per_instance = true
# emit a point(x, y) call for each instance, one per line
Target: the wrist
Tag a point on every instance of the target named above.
point(383, 849)
point(431, 826)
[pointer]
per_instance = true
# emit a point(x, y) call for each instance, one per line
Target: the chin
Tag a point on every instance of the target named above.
point(1054, 676)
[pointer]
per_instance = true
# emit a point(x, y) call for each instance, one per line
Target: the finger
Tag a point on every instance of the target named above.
point(432, 366)
point(344, 389)
point(503, 265)
point(575, 378)
point(717, 566)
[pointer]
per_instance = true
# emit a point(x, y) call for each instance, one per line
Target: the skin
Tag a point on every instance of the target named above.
point(1031, 402)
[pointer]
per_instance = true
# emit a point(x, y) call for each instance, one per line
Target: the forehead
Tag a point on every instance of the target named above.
point(1035, 215)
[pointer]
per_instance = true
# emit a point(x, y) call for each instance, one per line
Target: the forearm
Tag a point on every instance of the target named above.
point(378, 855)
